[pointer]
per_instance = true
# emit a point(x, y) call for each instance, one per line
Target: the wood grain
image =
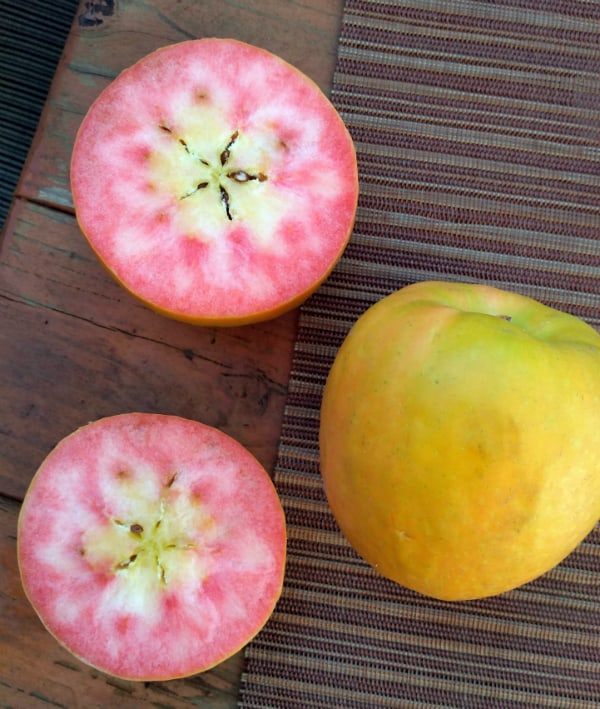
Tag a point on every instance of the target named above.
point(74, 346)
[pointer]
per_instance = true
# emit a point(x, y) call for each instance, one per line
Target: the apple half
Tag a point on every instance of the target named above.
point(151, 546)
point(216, 182)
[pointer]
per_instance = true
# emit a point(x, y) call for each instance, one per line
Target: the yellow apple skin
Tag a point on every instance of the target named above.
point(460, 438)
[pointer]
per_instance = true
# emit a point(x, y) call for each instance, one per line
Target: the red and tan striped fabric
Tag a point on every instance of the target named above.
point(477, 126)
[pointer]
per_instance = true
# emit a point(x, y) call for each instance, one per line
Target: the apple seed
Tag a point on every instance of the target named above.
point(217, 174)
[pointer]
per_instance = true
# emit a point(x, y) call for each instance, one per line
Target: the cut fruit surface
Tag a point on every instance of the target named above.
point(151, 546)
point(216, 182)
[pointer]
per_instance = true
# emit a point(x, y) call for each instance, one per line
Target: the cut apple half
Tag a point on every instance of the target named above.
point(216, 182)
point(151, 546)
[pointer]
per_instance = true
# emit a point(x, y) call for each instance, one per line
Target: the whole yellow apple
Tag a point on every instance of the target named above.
point(460, 438)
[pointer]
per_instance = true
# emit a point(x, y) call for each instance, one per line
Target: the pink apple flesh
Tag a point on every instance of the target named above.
point(215, 181)
point(151, 546)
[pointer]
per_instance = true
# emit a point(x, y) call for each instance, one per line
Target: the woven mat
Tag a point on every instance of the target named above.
point(477, 126)
point(32, 37)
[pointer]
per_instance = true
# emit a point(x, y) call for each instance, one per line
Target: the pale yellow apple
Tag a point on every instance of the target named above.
point(460, 438)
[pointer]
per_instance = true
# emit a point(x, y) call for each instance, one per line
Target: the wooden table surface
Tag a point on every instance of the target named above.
point(75, 347)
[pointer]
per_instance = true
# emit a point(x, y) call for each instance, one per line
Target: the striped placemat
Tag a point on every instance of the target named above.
point(477, 126)
point(32, 37)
